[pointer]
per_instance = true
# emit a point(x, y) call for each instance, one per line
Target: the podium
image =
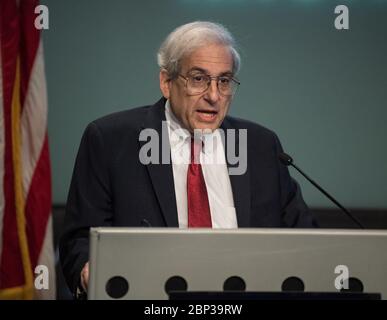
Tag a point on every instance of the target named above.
point(167, 263)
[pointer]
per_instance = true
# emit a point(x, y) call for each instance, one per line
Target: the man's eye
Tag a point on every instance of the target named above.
point(198, 78)
point(224, 80)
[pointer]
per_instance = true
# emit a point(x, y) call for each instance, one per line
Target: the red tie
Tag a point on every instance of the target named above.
point(199, 215)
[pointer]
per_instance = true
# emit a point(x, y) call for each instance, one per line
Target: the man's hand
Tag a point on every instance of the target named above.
point(85, 276)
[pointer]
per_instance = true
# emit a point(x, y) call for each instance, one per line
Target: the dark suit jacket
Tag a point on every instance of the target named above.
point(110, 187)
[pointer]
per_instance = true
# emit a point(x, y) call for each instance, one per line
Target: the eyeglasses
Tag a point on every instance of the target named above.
point(198, 83)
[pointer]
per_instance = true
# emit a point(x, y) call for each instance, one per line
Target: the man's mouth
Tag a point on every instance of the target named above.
point(207, 115)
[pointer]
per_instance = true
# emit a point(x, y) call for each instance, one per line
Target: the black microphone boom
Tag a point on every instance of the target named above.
point(288, 161)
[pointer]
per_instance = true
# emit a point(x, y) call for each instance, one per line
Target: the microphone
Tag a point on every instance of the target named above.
point(288, 161)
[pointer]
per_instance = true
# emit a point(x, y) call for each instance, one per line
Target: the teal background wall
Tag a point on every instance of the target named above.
point(323, 91)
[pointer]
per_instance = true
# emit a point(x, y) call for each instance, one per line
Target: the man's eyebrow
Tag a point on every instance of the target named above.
point(198, 69)
point(225, 73)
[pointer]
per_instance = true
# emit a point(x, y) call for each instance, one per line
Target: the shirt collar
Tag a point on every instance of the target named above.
point(175, 129)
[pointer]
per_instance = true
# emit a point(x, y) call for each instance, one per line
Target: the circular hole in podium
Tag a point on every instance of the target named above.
point(234, 283)
point(354, 285)
point(175, 283)
point(117, 287)
point(293, 284)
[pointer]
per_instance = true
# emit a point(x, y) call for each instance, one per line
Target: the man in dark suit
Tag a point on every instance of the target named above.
point(114, 184)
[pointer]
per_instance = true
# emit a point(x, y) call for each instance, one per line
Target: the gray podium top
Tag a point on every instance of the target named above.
point(263, 258)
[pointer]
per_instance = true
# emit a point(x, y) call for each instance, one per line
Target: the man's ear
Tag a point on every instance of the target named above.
point(165, 83)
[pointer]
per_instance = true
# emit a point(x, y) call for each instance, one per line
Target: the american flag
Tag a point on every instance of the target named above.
point(25, 186)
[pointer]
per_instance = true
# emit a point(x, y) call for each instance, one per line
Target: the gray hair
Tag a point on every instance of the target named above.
point(188, 37)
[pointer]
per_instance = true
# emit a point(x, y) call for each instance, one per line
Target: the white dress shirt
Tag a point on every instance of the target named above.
point(214, 169)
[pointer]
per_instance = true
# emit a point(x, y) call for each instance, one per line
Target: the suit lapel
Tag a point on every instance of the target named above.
point(240, 184)
point(161, 175)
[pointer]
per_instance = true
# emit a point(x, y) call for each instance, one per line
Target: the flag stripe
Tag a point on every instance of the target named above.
point(34, 120)
point(29, 43)
point(36, 166)
point(11, 269)
point(38, 204)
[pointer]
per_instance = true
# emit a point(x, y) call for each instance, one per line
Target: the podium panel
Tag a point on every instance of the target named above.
point(144, 263)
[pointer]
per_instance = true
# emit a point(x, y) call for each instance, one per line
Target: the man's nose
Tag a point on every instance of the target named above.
point(212, 94)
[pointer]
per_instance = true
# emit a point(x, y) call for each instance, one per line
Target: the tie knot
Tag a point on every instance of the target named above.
point(196, 148)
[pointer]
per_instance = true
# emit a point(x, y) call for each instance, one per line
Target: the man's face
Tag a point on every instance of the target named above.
point(208, 109)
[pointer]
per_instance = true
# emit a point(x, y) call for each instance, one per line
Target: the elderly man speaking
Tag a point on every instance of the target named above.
point(115, 184)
